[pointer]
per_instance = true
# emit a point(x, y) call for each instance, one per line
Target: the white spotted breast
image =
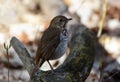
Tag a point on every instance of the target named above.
point(61, 49)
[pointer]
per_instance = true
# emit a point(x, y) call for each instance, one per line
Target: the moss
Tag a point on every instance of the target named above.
point(68, 78)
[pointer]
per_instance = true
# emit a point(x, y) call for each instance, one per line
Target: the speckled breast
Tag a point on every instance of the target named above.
point(61, 49)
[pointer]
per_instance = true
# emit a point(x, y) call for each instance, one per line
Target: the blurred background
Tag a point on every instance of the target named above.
point(27, 20)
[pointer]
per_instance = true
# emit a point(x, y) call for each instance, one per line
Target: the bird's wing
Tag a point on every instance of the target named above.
point(48, 44)
point(46, 47)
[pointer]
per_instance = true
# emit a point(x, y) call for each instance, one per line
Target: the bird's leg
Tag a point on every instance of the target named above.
point(53, 71)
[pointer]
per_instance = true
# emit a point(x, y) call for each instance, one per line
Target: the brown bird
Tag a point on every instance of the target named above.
point(53, 43)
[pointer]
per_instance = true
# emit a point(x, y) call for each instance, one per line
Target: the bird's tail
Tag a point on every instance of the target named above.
point(37, 65)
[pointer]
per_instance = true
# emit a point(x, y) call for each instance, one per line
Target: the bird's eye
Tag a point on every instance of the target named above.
point(60, 20)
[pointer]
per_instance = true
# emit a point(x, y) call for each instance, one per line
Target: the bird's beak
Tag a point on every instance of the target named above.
point(69, 19)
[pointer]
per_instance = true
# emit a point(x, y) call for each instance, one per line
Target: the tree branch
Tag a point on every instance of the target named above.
point(76, 67)
point(23, 54)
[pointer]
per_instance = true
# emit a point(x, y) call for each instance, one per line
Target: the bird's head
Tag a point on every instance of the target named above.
point(59, 21)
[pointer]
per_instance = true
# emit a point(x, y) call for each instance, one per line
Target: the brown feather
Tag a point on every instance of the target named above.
point(46, 47)
point(48, 43)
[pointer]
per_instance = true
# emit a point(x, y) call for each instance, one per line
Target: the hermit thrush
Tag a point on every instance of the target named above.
point(53, 43)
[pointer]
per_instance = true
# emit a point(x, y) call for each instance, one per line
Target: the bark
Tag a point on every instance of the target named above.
point(76, 67)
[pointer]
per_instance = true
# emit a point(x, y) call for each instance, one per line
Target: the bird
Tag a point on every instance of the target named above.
point(53, 43)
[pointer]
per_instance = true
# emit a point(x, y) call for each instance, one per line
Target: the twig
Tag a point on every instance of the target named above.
point(112, 75)
point(103, 19)
point(7, 47)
